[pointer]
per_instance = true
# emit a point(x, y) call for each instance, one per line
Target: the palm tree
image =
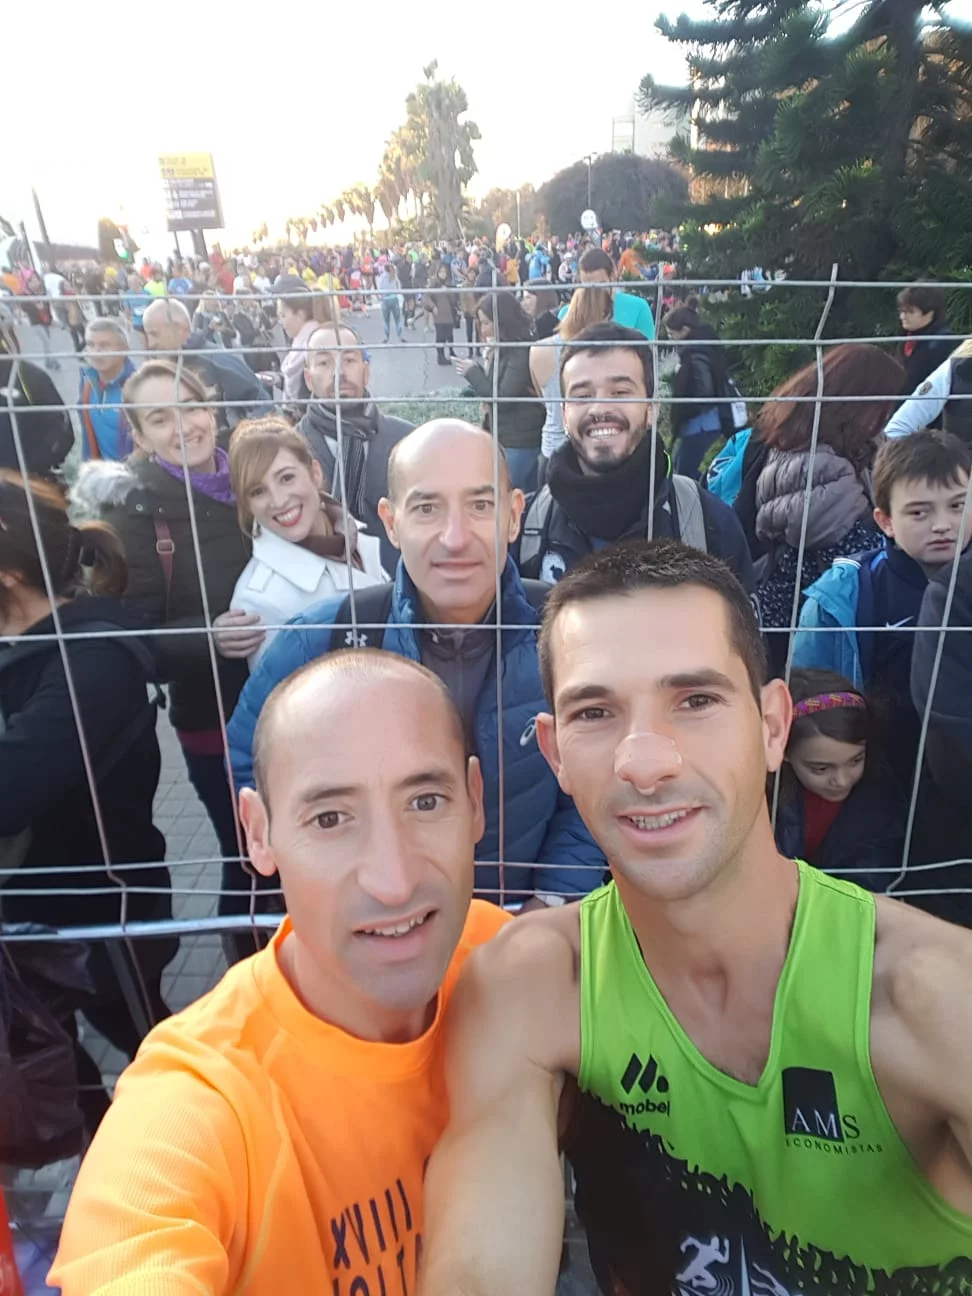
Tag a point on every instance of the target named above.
point(362, 203)
point(444, 144)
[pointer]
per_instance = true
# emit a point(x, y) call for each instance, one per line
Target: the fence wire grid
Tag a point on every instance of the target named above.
point(194, 865)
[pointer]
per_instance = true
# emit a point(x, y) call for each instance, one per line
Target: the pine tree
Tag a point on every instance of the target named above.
point(814, 149)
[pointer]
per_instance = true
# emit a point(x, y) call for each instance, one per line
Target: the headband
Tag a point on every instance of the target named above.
point(828, 702)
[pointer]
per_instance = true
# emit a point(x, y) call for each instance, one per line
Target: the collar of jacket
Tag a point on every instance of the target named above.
point(905, 568)
point(94, 378)
point(302, 567)
point(515, 609)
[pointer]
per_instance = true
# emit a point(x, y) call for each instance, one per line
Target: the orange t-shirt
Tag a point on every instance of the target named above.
point(253, 1148)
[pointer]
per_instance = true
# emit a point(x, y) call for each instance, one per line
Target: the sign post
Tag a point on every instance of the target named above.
point(191, 194)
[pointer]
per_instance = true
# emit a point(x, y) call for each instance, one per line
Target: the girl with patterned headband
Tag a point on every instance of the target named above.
point(838, 809)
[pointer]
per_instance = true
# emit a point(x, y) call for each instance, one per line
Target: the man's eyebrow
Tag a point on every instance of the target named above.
point(437, 777)
point(416, 496)
point(582, 693)
point(699, 679)
point(311, 795)
point(612, 378)
point(422, 778)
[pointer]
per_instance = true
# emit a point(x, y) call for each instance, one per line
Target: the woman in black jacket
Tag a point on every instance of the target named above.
point(507, 331)
point(50, 835)
point(148, 504)
point(701, 374)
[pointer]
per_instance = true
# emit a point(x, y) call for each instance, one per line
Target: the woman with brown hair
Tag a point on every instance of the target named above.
point(511, 408)
point(173, 492)
point(301, 551)
point(300, 314)
point(58, 868)
point(861, 386)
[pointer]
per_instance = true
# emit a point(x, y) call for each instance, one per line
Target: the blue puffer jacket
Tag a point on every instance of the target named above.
point(541, 824)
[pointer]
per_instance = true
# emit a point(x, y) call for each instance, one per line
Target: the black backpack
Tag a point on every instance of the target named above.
point(46, 434)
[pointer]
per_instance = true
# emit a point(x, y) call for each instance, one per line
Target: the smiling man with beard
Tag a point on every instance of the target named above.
point(611, 481)
point(337, 371)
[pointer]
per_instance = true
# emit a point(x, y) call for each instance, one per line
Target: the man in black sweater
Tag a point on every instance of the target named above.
point(337, 374)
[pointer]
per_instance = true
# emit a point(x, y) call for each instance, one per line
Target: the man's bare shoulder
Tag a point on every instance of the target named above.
point(523, 984)
point(921, 1008)
point(917, 958)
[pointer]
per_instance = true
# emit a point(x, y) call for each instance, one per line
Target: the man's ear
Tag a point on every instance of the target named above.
point(517, 505)
point(549, 745)
point(474, 786)
point(386, 511)
point(255, 819)
point(884, 522)
point(777, 709)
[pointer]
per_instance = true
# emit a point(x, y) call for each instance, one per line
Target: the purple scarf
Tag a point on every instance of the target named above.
point(215, 484)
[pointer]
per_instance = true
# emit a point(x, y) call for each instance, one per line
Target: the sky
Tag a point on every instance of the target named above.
point(296, 101)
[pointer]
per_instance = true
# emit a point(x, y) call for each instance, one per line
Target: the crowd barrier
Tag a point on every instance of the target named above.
point(195, 879)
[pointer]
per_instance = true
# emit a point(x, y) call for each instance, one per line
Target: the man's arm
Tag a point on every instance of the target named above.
point(494, 1191)
point(921, 1030)
point(289, 650)
point(924, 405)
point(160, 1195)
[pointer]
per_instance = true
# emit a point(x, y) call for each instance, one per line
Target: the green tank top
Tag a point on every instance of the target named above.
point(797, 1184)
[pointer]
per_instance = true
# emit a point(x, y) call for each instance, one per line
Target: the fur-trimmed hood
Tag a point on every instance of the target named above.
point(102, 484)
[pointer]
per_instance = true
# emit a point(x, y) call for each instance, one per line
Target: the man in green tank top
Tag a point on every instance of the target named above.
point(762, 1075)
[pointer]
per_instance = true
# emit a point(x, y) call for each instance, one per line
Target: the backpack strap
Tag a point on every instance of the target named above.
point(536, 525)
point(94, 450)
point(372, 608)
point(688, 512)
point(165, 548)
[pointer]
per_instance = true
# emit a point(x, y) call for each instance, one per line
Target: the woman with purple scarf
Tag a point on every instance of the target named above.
point(172, 503)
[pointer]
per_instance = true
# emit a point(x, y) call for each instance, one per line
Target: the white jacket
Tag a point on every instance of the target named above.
point(283, 579)
point(924, 406)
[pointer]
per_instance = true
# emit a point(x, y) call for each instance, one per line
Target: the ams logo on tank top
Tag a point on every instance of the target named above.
point(812, 1118)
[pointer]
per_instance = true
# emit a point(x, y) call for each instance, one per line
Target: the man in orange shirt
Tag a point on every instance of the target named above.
point(273, 1137)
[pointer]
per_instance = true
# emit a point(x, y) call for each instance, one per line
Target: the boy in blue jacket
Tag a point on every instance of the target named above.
point(919, 495)
point(859, 617)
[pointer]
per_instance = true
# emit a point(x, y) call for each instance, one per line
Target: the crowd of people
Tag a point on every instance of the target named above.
point(401, 635)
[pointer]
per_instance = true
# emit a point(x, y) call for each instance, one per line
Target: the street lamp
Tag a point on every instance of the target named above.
point(589, 159)
point(517, 213)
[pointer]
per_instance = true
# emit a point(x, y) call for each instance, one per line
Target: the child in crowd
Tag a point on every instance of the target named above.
point(851, 613)
point(859, 619)
point(922, 312)
point(837, 809)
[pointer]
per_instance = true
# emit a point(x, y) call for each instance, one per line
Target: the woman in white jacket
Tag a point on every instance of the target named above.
point(301, 551)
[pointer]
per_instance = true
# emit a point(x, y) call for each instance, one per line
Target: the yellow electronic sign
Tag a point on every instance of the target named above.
point(186, 166)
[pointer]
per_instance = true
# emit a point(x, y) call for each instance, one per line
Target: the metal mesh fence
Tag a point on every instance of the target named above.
point(402, 378)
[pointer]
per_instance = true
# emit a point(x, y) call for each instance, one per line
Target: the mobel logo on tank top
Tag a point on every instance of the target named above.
point(812, 1117)
point(648, 1078)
